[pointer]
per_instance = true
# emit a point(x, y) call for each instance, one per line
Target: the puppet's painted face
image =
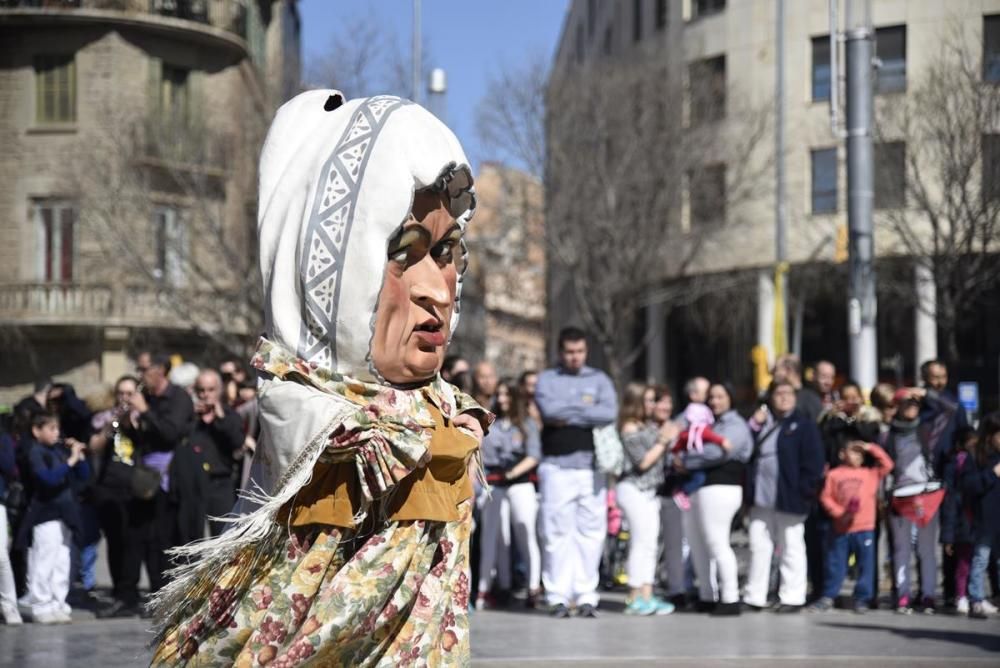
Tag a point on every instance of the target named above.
point(413, 319)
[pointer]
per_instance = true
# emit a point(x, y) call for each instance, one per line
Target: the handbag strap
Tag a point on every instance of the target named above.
point(759, 441)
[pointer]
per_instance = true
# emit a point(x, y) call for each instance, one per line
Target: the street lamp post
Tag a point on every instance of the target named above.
point(780, 227)
point(862, 305)
point(437, 87)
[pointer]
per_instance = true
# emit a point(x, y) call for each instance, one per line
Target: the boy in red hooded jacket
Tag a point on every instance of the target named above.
point(849, 496)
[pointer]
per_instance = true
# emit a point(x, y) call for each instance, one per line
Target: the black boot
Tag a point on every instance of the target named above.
point(118, 609)
point(726, 609)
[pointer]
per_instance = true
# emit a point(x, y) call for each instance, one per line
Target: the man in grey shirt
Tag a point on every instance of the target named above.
point(572, 398)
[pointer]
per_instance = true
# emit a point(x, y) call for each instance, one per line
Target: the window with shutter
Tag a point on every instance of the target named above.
point(890, 49)
point(175, 94)
point(821, 68)
point(171, 245)
point(707, 89)
point(824, 180)
point(56, 224)
point(991, 48)
point(55, 89)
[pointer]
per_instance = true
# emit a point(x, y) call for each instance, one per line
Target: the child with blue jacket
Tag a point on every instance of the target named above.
point(53, 516)
point(981, 484)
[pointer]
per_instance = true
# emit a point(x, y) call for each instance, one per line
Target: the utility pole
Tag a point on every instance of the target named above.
point(862, 306)
point(415, 82)
point(780, 227)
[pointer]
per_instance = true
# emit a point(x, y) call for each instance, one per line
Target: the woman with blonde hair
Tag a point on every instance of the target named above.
point(645, 445)
point(882, 401)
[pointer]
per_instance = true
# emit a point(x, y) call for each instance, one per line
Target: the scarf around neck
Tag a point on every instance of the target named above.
point(384, 432)
point(388, 433)
point(905, 426)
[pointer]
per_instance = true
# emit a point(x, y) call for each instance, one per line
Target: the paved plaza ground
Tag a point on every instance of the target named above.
point(507, 639)
point(518, 637)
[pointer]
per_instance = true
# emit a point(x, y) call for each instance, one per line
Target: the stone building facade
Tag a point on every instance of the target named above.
point(732, 45)
point(128, 129)
point(503, 303)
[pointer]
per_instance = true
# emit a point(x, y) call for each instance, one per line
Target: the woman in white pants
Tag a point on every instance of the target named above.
point(645, 446)
point(8, 594)
point(787, 471)
point(715, 504)
point(511, 451)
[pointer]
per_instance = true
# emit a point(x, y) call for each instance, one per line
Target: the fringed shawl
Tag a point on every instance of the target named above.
point(382, 431)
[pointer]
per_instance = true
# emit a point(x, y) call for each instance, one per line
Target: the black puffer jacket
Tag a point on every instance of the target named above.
point(956, 515)
point(982, 488)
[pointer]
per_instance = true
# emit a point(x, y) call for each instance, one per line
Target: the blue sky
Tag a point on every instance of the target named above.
point(471, 40)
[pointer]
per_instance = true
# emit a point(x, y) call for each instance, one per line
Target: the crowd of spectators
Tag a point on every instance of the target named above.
point(825, 483)
point(154, 464)
point(830, 484)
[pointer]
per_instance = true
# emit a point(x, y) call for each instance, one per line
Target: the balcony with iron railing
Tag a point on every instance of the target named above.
point(221, 23)
point(99, 305)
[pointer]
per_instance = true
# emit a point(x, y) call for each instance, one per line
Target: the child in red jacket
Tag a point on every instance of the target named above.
point(849, 496)
point(699, 432)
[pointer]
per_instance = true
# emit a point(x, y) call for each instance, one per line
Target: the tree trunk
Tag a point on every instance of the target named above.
point(947, 323)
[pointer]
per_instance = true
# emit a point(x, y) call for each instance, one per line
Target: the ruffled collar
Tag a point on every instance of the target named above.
point(276, 360)
point(389, 435)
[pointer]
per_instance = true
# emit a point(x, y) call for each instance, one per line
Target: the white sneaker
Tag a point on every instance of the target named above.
point(53, 617)
point(62, 617)
point(12, 616)
point(989, 608)
point(962, 606)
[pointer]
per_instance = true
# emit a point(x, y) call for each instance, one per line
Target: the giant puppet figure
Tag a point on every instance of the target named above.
point(353, 548)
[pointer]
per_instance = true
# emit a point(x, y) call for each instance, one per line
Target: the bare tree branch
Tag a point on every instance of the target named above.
point(510, 118)
point(202, 273)
point(365, 57)
point(951, 219)
point(641, 183)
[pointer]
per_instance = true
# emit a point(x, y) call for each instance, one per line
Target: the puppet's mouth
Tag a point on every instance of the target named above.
point(432, 325)
point(430, 333)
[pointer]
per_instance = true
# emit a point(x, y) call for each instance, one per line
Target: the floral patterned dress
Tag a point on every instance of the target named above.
point(380, 593)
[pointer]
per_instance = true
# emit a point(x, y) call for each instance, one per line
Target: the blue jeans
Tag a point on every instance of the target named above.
point(695, 480)
point(839, 547)
point(90, 538)
point(980, 564)
point(88, 566)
